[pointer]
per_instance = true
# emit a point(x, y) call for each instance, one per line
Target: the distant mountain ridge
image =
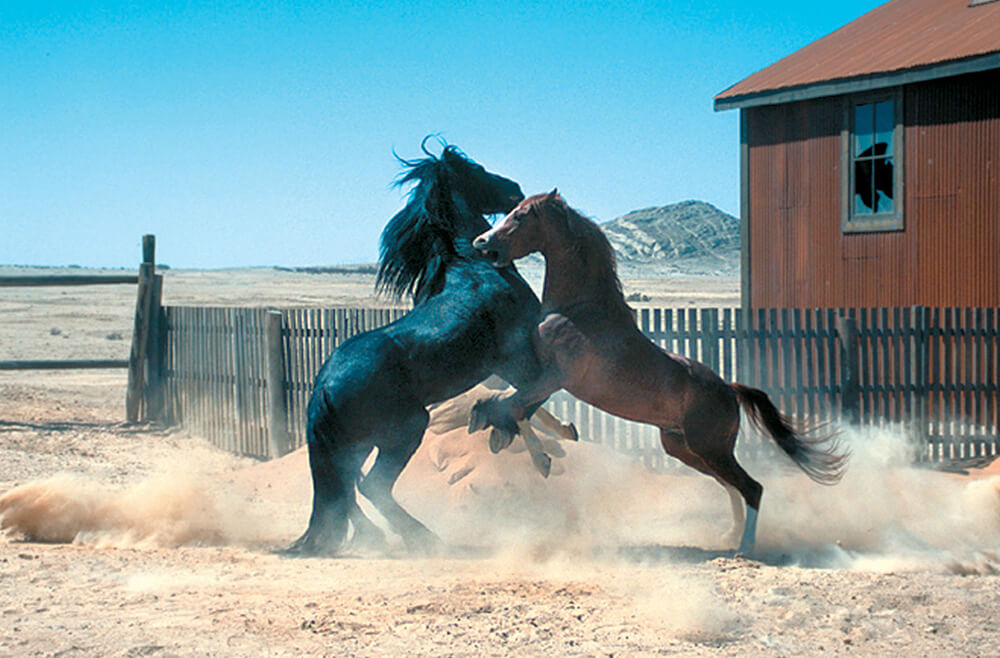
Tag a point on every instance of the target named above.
point(680, 239)
point(679, 231)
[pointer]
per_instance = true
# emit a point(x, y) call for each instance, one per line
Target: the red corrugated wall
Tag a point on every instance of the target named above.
point(949, 252)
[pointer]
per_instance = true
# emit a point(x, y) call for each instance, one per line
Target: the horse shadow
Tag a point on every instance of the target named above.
point(48, 426)
point(659, 554)
point(648, 555)
point(814, 558)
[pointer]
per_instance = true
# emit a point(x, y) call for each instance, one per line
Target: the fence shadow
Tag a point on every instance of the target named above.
point(661, 554)
point(71, 425)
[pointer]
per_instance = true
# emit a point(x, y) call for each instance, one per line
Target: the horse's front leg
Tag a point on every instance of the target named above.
point(557, 340)
point(566, 431)
point(539, 457)
point(505, 412)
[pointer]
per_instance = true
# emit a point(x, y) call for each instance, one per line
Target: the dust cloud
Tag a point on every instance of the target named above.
point(167, 510)
point(885, 515)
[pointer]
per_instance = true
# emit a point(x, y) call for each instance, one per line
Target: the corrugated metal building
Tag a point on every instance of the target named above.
point(869, 163)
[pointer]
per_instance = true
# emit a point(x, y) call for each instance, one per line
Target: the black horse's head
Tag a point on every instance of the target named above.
point(445, 210)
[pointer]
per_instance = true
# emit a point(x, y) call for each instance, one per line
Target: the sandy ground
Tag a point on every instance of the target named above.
point(158, 544)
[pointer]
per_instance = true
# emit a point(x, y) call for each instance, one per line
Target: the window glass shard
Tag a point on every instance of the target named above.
point(864, 118)
point(885, 121)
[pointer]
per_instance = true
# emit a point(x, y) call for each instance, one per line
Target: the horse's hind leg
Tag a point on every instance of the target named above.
point(333, 476)
point(395, 450)
point(721, 465)
point(739, 513)
point(367, 535)
point(727, 470)
point(732, 473)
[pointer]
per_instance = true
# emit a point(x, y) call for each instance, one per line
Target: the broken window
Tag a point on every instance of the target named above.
point(872, 200)
point(873, 154)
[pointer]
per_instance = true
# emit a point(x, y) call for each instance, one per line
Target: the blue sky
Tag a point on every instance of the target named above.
point(261, 133)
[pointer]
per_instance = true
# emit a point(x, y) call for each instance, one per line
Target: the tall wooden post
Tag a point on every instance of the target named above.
point(850, 386)
point(710, 338)
point(155, 355)
point(141, 331)
point(918, 366)
point(277, 426)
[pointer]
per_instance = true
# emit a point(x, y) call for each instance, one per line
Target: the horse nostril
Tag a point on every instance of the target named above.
point(479, 242)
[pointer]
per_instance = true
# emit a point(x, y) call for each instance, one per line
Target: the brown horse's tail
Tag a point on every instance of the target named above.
point(820, 458)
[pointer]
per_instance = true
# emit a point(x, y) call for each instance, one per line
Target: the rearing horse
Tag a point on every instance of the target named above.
point(470, 320)
point(593, 348)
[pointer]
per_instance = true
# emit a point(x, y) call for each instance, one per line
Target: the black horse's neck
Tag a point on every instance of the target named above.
point(433, 230)
point(466, 224)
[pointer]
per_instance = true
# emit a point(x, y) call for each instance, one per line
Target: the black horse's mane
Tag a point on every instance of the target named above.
point(418, 243)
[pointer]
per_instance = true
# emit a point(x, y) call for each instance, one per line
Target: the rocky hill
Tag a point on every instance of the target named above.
point(690, 237)
point(681, 239)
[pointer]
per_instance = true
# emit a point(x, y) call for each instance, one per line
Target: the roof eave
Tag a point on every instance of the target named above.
point(857, 84)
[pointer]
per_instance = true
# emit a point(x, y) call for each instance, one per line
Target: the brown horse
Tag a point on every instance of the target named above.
point(592, 347)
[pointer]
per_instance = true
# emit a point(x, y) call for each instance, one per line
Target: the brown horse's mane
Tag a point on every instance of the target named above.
point(590, 242)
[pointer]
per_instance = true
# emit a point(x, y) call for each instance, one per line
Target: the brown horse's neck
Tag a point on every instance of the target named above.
point(577, 276)
point(562, 284)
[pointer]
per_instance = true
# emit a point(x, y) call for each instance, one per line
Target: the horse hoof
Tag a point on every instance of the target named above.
point(477, 418)
point(296, 549)
point(499, 440)
point(543, 463)
point(573, 434)
point(303, 547)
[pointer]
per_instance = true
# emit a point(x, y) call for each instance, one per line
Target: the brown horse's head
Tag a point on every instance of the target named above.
point(520, 232)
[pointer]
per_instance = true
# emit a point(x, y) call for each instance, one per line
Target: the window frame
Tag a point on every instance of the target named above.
point(850, 222)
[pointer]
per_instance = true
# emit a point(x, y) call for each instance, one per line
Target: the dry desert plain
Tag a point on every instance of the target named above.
point(159, 544)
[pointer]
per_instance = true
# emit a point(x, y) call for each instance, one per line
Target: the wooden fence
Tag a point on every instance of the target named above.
point(142, 399)
point(242, 377)
point(242, 380)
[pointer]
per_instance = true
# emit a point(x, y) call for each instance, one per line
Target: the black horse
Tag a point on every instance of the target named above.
point(470, 320)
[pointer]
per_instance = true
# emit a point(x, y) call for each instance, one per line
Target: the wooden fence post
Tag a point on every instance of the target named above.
point(850, 388)
point(919, 344)
point(277, 408)
point(140, 331)
point(742, 346)
point(156, 347)
point(710, 338)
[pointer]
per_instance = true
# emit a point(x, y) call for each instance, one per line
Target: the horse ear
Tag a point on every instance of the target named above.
point(553, 195)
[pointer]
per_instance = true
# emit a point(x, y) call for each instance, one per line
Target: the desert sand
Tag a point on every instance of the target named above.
point(138, 540)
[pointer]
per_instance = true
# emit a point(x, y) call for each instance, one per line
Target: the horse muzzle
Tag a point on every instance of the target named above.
point(491, 249)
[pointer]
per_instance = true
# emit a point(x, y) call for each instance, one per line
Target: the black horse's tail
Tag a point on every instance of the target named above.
point(820, 458)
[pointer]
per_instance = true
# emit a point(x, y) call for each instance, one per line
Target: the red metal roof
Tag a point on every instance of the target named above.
point(898, 36)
